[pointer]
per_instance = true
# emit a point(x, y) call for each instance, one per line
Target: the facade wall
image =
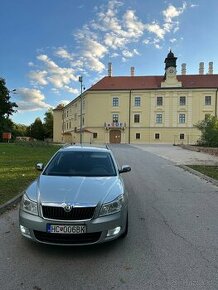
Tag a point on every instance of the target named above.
point(57, 126)
point(173, 120)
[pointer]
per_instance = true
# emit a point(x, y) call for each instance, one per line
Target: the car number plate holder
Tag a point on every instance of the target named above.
point(66, 229)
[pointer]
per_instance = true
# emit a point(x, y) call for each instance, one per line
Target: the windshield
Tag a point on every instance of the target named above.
point(77, 163)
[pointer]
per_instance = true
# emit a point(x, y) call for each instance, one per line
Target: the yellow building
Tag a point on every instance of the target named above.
point(140, 109)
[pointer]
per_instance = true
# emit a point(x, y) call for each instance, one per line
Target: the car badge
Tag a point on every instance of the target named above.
point(67, 207)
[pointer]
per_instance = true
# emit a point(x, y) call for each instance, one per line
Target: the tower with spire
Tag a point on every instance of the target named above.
point(170, 79)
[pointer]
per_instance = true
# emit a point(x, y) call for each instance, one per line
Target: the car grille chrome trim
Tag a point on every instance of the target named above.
point(76, 213)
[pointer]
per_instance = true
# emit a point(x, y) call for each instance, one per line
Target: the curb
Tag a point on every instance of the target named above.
point(201, 175)
point(12, 202)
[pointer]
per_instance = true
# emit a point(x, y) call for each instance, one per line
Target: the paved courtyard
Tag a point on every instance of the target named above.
point(180, 156)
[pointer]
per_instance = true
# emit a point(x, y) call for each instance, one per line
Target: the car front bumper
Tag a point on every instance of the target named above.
point(99, 230)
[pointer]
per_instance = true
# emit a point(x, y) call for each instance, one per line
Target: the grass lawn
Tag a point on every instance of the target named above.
point(211, 171)
point(17, 166)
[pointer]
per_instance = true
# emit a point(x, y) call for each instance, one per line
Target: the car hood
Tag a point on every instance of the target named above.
point(75, 190)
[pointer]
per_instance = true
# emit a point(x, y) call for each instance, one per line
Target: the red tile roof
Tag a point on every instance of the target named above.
point(154, 82)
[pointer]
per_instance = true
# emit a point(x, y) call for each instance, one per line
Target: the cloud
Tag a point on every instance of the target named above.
point(171, 12)
point(172, 40)
point(31, 100)
point(146, 41)
point(135, 28)
point(38, 77)
point(156, 29)
point(113, 32)
point(30, 63)
point(63, 53)
point(129, 54)
point(59, 77)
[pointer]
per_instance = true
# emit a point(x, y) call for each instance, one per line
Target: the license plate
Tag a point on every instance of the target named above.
point(66, 229)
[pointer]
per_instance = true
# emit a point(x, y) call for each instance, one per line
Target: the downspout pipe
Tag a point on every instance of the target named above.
point(130, 101)
point(216, 103)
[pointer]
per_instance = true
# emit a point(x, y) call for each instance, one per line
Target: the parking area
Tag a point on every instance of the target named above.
point(179, 155)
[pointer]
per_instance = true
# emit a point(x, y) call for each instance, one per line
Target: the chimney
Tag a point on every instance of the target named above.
point(110, 69)
point(210, 68)
point(183, 71)
point(132, 71)
point(201, 68)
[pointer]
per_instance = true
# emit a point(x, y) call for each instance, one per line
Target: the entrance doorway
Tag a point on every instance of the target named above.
point(115, 136)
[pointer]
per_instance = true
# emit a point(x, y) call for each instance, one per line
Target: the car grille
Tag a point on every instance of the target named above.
point(67, 238)
point(58, 213)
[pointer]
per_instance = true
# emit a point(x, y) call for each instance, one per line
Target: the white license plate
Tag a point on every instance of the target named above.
point(66, 229)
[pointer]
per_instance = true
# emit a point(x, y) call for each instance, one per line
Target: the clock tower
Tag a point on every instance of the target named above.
point(170, 60)
point(170, 79)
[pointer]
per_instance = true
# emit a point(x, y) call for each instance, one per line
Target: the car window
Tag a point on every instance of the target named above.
point(79, 163)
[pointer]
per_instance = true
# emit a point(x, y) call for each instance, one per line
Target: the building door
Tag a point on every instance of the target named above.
point(115, 136)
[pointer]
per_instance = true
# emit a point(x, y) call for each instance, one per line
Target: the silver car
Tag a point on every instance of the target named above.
point(79, 199)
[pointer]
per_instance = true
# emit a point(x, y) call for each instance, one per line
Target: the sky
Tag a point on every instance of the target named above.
point(45, 45)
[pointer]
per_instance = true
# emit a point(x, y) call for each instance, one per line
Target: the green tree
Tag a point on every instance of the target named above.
point(209, 131)
point(7, 108)
point(36, 130)
point(19, 130)
point(48, 123)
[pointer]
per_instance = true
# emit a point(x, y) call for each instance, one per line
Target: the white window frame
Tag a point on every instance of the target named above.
point(137, 114)
point(159, 118)
point(115, 102)
point(181, 103)
point(157, 101)
point(207, 100)
point(137, 101)
point(115, 118)
point(182, 118)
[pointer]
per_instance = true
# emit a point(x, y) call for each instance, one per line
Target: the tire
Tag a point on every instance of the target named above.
point(124, 234)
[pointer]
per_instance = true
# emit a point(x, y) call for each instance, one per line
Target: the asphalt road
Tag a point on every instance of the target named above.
point(172, 241)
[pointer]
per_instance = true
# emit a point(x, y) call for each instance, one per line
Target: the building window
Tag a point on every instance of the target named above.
point(115, 102)
point(137, 101)
point(157, 136)
point(182, 101)
point(136, 118)
point(207, 100)
point(95, 135)
point(84, 104)
point(181, 118)
point(159, 101)
point(115, 118)
point(67, 114)
point(137, 135)
point(70, 124)
point(75, 116)
point(159, 118)
point(182, 136)
point(83, 120)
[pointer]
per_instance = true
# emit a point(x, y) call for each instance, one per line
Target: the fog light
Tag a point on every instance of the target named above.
point(25, 231)
point(113, 232)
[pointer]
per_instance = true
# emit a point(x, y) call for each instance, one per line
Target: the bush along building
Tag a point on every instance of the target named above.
point(140, 109)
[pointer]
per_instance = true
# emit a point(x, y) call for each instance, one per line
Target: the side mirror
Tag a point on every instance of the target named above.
point(40, 166)
point(125, 168)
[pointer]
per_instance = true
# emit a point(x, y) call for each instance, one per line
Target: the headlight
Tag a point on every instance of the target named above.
point(29, 205)
point(112, 207)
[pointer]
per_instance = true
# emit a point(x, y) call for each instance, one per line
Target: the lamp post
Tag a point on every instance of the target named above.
point(81, 107)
